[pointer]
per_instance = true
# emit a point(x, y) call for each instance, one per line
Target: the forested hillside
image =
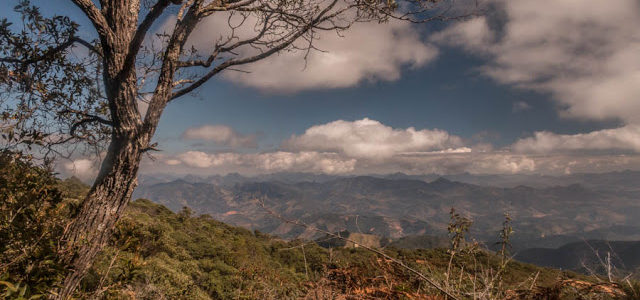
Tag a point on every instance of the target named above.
point(158, 254)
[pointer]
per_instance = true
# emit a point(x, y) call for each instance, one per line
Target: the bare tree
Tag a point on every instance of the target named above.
point(60, 89)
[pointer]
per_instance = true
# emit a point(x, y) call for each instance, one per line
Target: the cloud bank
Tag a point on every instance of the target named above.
point(625, 138)
point(279, 161)
point(368, 146)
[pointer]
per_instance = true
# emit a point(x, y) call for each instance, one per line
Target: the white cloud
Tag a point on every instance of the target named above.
point(82, 168)
point(623, 138)
point(311, 161)
point(333, 163)
point(367, 51)
point(221, 135)
point(502, 163)
point(200, 159)
point(497, 162)
point(367, 146)
point(585, 53)
point(371, 139)
point(278, 161)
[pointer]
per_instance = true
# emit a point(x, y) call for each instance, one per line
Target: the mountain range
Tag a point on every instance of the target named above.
point(399, 205)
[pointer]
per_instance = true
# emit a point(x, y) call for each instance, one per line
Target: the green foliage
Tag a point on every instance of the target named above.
point(31, 222)
point(46, 91)
point(157, 252)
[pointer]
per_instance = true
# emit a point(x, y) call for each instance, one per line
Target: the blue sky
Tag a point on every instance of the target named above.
point(446, 94)
point(551, 87)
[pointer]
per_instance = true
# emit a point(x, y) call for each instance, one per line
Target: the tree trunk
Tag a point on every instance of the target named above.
point(91, 229)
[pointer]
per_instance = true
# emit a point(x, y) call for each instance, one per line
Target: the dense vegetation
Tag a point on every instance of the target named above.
point(158, 254)
point(32, 214)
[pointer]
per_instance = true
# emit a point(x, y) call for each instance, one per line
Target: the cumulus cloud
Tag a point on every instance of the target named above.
point(367, 146)
point(82, 168)
point(371, 139)
point(278, 161)
point(200, 159)
point(498, 162)
point(221, 135)
point(624, 138)
point(584, 53)
point(367, 51)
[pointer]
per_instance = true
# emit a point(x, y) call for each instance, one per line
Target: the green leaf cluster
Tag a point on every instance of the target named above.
point(32, 217)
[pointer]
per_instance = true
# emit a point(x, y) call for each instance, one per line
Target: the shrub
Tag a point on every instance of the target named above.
point(32, 219)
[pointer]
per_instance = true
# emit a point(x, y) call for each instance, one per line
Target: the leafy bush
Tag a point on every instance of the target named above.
point(32, 218)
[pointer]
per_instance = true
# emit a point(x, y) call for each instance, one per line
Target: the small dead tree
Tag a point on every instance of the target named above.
point(60, 92)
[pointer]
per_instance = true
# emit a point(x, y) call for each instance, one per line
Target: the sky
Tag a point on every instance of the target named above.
point(536, 87)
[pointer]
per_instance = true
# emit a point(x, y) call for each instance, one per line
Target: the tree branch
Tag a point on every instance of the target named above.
point(94, 118)
point(88, 45)
point(164, 86)
point(234, 62)
point(213, 7)
point(141, 32)
point(96, 17)
point(52, 51)
point(86, 120)
point(220, 49)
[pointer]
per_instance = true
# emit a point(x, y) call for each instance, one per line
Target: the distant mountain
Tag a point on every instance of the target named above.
point(395, 208)
point(591, 255)
point(626, 181)
point(621, 181)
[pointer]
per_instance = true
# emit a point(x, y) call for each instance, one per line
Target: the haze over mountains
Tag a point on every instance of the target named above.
point(551, 212)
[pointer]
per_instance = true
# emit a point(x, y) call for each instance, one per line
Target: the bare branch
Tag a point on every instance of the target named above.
point(214, 6)
point(222, 48)
point(162, 92)
point(321, 17)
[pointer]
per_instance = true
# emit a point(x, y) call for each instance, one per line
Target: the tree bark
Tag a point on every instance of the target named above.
point(90, 231)
point(92, 227)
